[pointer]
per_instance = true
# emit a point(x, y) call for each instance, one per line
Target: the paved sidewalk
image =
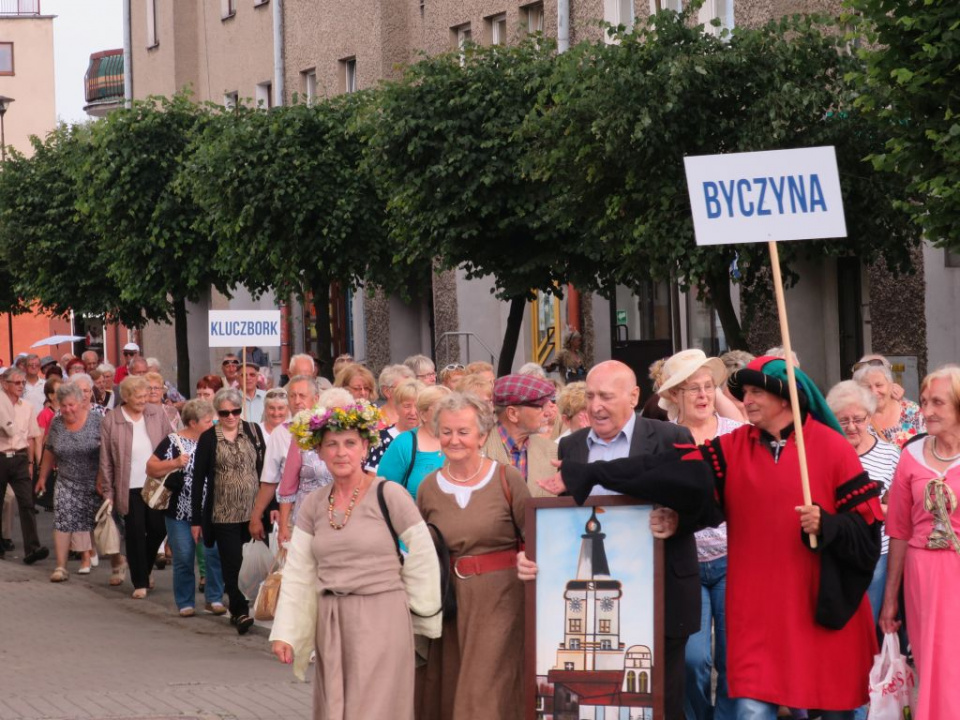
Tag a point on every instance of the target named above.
point(83, 650)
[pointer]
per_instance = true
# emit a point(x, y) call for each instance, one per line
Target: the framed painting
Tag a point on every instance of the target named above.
point(594, 643)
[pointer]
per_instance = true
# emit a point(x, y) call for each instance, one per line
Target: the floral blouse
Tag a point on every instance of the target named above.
point(911, 424)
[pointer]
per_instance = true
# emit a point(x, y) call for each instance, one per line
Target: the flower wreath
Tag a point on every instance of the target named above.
point(308, 426)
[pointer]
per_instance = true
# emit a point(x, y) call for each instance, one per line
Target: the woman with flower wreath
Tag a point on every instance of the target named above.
point(345, 592)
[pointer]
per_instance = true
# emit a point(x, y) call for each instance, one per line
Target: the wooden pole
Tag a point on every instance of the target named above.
point(243, 377)
point(791, 377)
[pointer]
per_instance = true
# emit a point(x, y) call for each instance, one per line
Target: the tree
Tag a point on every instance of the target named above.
point(614, 122)
point(286, 199)
point(444, 147)
point(910, 86)
point(51, 256)
point(158, 256)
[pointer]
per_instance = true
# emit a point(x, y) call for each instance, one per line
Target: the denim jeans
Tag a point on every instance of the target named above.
point(183, 548)
point(758, 710)
point(697, 702)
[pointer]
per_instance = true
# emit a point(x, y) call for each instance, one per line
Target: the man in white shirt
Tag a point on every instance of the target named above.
point(33, 390)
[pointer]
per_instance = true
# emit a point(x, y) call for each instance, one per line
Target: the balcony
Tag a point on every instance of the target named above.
point(103, 83)
point(19, 7)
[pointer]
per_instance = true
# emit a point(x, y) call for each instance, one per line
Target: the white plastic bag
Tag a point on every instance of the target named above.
point(257, 561)
point(893, 683)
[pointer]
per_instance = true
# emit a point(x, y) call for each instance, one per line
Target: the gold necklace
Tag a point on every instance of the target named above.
point(466, 479)
point(933, 451)
point(349, 510)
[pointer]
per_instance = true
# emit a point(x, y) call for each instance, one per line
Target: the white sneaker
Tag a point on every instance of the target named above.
point(95, 561)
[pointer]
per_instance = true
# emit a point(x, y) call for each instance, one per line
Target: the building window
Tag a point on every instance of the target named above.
point(675, 5)
point(575, 644)
point(568, 666)
point(604, 626)
point(618, 12)
point(231, 100)
point(6, 58)
point(348, 75)
point(532, 17)
point(309, 83)
point(721, 10)
point(228, 8)
point(497, 27)
point(574, 625)
point(152, 39)
point(462, 35)
point(606, 645)
point(264, 95)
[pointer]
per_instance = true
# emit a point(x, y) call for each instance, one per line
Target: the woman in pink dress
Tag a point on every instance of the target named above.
point(923, 523)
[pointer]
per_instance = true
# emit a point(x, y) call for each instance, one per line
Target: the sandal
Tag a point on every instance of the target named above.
point(117, 575)
point(59, 575)
point(139, 594)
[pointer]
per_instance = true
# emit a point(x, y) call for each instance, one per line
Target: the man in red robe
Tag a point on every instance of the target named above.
point(799, 628)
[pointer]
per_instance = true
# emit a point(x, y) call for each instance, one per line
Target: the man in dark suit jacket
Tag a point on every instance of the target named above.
point(617, 431)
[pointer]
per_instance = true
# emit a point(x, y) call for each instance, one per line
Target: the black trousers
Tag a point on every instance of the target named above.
point(230, 538)
point(674, 677)
point(14, 472)
point(145, 529)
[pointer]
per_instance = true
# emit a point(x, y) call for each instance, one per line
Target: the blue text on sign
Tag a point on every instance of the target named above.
point(243, 328)
point(746, 197)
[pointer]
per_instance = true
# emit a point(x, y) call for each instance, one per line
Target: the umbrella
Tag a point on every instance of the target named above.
point(56, 340)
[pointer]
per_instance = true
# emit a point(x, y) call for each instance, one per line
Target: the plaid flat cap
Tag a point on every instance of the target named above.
point(522, 390)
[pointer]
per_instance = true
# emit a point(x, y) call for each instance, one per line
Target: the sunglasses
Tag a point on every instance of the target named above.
point(276, 395)
point(875, 362)
point(236, 412)
point(129, 353)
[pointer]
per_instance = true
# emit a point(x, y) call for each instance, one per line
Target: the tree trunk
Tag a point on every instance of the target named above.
point(183, 352)
point(719, 286)
point(321, 306)
point(511, 335)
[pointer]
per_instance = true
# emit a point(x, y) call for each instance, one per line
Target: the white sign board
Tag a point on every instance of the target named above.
point(761, 196)
point(244, 328)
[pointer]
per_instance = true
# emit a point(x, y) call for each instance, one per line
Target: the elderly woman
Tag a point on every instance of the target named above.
point(226, 474)
point(479, 384)
point(358, 381)
point(483, 369)
point(389, 378)
point(450, 375)
point(208, 386)
point(923, 522)
point(423, 368)
point(106, 395)
point(689, 385)
point(276, 410)
point(416, 453)
point(75, 366)
point(853, 405)
point(345, 593)
point(478, 507)
point(404, 398)
point(73, 446)
point(896, 421)
point(177, 454)
point(158, 396)
point(88, 388)
point(572, 409)
point(128, 436)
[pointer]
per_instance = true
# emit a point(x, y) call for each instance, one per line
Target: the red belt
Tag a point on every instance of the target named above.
point(470, 565)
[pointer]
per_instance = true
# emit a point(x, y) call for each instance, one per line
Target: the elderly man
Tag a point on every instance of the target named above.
point(230, 367)
point(254, 397)
point(33, 390)
point(90, 360)
point(811, 600)
point(518, 401)
point(130, 351)
point(19, 443)
point(301, 395)
point(302, 364)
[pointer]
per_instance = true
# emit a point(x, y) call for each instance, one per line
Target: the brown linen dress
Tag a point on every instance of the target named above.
point(365, 654)
point(474, 670)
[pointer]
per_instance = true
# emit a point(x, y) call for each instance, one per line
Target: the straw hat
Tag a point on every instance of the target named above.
point(679, 367)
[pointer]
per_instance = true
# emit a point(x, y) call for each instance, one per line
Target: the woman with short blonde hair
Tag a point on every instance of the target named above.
point(415, 453)
point(358, 380)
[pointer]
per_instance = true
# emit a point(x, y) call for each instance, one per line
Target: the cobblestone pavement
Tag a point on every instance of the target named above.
point(83, 650)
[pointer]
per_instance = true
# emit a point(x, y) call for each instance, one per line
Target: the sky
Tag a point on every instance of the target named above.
point(81, 27)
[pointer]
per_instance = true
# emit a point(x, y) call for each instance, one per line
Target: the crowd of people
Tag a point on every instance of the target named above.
point(399, 500)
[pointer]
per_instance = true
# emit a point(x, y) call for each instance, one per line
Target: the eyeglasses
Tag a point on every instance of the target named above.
point(276, 395)
point(154, 388)
point(709, 389)
point(15, 382)
point(236, 412)
point(424, 376)
point(847, 422)
point(874, 362)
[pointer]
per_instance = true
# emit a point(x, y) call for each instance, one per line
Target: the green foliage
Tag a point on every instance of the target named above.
point(910, 86)
point(50, 254)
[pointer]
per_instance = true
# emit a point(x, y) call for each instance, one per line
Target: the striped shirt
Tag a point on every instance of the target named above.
point(880, 462)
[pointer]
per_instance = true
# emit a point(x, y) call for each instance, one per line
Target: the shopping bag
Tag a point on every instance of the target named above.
point(106, 536)
point(893, 683)
point(257, 561)
point(265, 606)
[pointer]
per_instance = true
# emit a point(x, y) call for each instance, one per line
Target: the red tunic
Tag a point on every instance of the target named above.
point(776, 651)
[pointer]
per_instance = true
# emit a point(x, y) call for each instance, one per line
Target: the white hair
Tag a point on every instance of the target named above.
point(152, 362)
point(533, 369)
point(336, 397)
point(778, 351)
point(106, 367)
point(849, 392)
point(303, 357)
point(860, 375)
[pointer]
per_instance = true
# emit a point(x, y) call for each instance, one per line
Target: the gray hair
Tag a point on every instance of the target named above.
point(300, 357)
point(849, 392)
point(152, 362)
point(533, 369)
point(779, 351)
point(12, 371)
point(70, 390)
point(336, 397)
point(310, 381)
point(89, 353)
point(860, 375)
point(227, 394)
point(106, 367)
point(323, 384)
point(84, 377)
point(196, 410)
point(391, 375)
point(420, 364)
point(455, 402)
point(31, 356)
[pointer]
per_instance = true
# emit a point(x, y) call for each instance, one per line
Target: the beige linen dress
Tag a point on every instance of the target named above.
point(474, 670)
point(364, 634)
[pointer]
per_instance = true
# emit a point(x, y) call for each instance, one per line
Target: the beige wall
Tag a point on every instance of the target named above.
point(34, 111)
